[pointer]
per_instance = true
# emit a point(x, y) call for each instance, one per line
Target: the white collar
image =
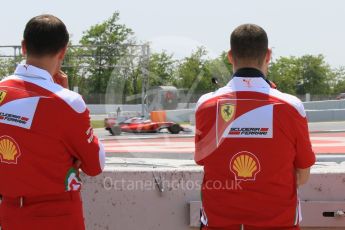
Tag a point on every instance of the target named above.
point(31, 71)
point(248, 83)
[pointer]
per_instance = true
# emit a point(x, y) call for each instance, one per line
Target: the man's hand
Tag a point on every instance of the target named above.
point(77, 164)
point(302, 176)
point(61, 78)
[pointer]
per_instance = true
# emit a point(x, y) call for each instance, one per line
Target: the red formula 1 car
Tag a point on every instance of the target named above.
point(141, 125)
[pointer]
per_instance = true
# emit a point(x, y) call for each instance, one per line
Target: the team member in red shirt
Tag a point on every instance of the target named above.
point(253, 142)
point(45, 137)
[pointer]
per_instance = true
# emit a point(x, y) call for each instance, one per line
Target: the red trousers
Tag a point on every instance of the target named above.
point(238, 227)
point(65, 213)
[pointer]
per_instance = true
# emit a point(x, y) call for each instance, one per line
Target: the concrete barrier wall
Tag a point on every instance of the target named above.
point(139, 204)
point(104, 109)
point(97, 109)
point(326, 115)
point(182, 115)
point(323, 105)
point(126, 197)
point(186, 106)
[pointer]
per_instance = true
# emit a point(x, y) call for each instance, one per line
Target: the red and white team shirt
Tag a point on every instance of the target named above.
point(250, 138)
point(44, 129)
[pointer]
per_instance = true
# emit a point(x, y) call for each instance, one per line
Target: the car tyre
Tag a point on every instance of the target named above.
point(175, 129)
point(115, 130)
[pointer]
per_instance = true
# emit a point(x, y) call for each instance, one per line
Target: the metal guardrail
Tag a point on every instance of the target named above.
point(330, 158)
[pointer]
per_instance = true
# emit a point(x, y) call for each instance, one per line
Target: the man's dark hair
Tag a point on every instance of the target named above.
point(45, 35)
point(249, 42)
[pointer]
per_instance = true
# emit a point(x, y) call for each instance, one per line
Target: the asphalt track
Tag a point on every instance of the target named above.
point(328, 140)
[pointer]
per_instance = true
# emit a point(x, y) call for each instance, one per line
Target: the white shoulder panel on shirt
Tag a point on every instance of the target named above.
point(73, 99)
point(203, 98)
point(207, 96)
point(291, 100)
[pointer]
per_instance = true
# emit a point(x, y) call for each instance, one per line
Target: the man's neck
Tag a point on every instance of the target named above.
point(237, 66)
point(43, 63)
point(235, 69)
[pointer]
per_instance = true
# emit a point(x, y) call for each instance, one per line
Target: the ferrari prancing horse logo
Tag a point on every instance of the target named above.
point(227, 111)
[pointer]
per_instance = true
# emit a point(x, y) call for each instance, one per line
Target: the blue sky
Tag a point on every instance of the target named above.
point(295, 27)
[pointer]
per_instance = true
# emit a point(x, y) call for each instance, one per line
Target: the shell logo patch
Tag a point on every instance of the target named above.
point(9, 150)
point(2, 96)
point(227, 111)
point(245, 166)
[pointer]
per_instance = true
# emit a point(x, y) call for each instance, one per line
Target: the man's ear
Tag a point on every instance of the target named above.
point(230, 57)
point(62, 53)
point(24, 52)
point(268, 56)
